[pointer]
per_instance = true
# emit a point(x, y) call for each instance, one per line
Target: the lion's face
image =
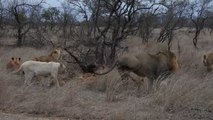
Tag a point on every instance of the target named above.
point(56, 53)
point(14, 63)
point(172, 60)
point(208, 61)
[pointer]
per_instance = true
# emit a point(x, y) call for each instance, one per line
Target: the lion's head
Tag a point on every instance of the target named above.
point(56, 53)
point(14, 63)
point(208, 61)
point(170, 58)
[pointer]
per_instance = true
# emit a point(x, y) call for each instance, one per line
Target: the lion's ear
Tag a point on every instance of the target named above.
point(204, 56)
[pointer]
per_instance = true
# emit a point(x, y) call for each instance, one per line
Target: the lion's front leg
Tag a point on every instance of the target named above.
point(149, 85)
point(57, 82)
point(55, 76)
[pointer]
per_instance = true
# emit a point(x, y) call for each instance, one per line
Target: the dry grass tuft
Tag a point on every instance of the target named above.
point(114, 83)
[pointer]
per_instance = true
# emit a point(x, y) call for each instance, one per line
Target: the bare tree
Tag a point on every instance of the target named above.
point(50, 16)
point(67, 23)
point(20, 12)
point(171, 19)
point(147, 22)
point(1, 14)
point(209, 22)
point(37, 36)
point(106, 23)
point(198, 16)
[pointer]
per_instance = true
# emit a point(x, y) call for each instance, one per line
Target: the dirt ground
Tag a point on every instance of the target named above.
point(186, 95)
point(9, 116)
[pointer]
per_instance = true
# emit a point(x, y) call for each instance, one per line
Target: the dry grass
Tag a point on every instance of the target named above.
point(186, 95)
point(114, 83)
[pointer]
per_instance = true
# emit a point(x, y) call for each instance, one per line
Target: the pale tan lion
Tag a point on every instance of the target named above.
point(52, 57)
point(208, 61)
point(37, 68)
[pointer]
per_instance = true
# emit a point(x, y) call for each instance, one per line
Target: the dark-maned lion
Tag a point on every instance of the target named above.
point(52, 57)
point(147, 65)
point(208, 61)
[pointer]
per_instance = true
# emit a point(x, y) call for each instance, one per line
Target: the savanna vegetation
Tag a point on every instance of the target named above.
point(92, 35)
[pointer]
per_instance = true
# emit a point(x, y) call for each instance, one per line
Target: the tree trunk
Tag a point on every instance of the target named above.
point(112, 54)
point(19, 41)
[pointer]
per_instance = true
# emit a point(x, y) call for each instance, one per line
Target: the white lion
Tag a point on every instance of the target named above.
point(36, 68)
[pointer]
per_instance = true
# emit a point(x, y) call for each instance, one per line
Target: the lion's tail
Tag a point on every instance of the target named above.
point(113, 66)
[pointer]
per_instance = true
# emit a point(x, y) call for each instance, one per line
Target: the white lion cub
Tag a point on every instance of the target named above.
point(34, 68)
